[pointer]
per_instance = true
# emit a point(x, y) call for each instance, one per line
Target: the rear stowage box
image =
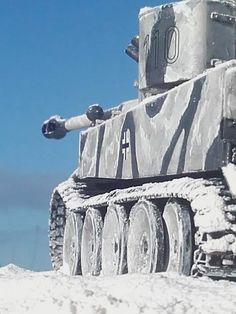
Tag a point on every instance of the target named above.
point(181, 40)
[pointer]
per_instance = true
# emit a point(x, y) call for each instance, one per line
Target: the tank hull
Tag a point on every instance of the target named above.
point(180, 131)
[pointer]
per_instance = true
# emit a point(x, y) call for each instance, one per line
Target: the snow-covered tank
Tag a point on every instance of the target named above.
point(155, 188)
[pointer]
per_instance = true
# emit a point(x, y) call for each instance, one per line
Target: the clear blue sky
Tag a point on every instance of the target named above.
point(56, 57)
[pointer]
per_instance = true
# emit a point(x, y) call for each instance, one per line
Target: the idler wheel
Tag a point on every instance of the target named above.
point(91, 243)
point(114, 241)
point(72, 244)
point(178, 237)
point(145, 252)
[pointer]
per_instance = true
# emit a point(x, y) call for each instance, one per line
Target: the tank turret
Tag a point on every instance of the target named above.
point(179, 41)
point(155, 188)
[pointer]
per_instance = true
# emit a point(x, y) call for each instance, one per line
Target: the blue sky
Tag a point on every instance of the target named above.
point(56, 57)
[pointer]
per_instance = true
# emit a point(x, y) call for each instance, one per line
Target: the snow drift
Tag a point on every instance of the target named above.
point(24, 291)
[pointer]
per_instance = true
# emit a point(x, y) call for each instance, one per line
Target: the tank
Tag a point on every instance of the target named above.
point(155, 187)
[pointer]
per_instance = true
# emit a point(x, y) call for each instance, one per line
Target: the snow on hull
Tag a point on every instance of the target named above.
point(230, 174)
point(53, 292)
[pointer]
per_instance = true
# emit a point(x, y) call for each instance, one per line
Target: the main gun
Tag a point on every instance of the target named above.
point(57, 127)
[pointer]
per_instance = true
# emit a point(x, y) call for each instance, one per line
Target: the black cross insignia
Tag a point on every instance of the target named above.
point(125, 143)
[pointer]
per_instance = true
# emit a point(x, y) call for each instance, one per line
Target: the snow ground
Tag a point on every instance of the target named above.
point(23, 291)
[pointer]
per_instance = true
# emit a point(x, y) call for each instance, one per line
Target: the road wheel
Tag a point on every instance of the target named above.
point(114, 241)
point(72, 244)
point(145, 253)
point(178, 237)
point(91, 243)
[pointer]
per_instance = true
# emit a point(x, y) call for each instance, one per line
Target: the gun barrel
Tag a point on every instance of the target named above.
point(57, 127)
point(78, 122)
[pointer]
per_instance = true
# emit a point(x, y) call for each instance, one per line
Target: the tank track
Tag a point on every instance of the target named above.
point(64, 192)
point(213, 211)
